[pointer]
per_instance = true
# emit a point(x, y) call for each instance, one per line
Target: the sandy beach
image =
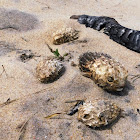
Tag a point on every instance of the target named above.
point(27, 26)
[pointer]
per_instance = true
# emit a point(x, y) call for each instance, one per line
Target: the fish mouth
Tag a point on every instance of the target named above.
point(119, 89)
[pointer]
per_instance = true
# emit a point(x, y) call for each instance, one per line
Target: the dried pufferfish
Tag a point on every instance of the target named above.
point(98, 113)
point(65, 35)
point(105, 71)
point(49, 69)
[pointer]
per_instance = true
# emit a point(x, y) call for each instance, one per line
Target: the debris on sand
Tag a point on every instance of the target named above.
point(26, 55)
point(127, 37)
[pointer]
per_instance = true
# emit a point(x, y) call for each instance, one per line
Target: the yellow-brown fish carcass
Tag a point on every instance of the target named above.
point(98, 113)
point(65, 35)
point(49, 69)
point(104, 70)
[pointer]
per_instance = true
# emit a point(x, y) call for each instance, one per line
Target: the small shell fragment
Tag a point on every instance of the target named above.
point(98, 113)
point(49, 69)
point(65, 35)
point(105, 71)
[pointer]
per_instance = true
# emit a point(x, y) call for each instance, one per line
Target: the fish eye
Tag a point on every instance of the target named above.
point(110, 79)
point(86, 116)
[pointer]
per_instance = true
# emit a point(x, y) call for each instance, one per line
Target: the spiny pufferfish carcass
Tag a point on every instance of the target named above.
point(65, 35)
point(98, 113)
point(49, 69)
point(105, 71)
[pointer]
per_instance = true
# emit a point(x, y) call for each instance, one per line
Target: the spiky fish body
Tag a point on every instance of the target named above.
point(104, 70)
point(98, 113)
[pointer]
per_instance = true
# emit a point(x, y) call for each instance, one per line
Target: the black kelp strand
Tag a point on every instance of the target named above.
point(118, 33)
point(75, 108)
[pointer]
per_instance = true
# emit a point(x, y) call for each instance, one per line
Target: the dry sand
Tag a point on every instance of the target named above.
point(29, 96)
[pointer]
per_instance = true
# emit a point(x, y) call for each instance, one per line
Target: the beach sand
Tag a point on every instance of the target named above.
point(31, 101)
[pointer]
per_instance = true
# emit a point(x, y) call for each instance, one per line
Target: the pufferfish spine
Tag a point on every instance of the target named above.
point(127, 37)
point(104, 70)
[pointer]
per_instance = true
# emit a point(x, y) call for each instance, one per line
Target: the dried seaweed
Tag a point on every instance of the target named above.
point(52, 115)
point(23, 127)
point(4, 71)
point(127, 37)
point(135, 77)
point(9, 101)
